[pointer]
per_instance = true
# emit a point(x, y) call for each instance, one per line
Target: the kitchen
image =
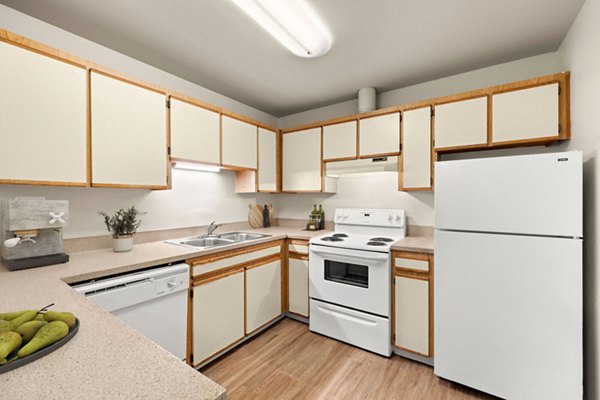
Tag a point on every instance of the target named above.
point(197, 198)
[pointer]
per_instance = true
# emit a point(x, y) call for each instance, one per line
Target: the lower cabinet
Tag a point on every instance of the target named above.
point(413, 303)
point(232, 294)
point(298, 286)
point(298, 277)
point(218, 314)
point(263, 294)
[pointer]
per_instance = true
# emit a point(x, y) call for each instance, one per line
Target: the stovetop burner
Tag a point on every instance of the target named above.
point(372, 243)
point(340, 235)
point(381, 239)
point(332, 239)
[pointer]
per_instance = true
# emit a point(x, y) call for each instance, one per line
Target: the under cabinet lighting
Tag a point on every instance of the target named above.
point(196, 167)
point(292, 22)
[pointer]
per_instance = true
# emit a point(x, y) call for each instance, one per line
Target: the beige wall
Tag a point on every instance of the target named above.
point(580, 53)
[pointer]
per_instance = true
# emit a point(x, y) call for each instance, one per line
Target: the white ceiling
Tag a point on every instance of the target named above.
point(386, 44)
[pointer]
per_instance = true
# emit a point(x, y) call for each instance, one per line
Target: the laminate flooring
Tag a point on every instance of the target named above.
point(290, 362)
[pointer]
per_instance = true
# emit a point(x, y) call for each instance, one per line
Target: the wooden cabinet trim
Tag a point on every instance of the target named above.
point(298, 256)
point(391, 154)
point(42, 183)
point(262, 261)
point(216, 275)
point(197, 261)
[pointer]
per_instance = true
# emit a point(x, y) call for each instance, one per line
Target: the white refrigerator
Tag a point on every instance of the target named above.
point(508, 275)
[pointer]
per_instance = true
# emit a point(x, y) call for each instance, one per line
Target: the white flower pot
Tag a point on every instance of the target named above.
point(122, 243)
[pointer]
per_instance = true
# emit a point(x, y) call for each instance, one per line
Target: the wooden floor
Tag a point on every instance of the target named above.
point(289, 362)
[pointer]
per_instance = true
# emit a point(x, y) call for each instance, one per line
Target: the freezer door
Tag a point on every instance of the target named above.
point(534, 194)
point(508, 314)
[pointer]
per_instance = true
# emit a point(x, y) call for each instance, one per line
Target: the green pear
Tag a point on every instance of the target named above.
point(29, 329)
point(21, 319)
point(12, 315)
point(9, 342)
point(66, 317)
point(45, 336)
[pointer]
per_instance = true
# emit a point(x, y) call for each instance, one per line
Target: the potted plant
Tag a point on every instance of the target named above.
point(122, 225)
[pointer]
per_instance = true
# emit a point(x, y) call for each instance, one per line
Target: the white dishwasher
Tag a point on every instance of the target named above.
point(153, 301)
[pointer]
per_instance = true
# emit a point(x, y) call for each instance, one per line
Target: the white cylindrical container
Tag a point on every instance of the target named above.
point(122, 243)
point(367, 99)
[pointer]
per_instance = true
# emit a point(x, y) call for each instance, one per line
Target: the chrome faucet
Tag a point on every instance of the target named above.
point(211, 228)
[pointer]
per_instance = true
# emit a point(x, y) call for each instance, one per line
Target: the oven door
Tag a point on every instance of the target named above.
point(351, 278)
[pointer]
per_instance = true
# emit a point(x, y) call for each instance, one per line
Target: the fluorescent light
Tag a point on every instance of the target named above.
point(292, 22)
point(195, 167)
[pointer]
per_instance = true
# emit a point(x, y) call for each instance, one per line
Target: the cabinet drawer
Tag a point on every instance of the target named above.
point(410, 263)
point(210, 264)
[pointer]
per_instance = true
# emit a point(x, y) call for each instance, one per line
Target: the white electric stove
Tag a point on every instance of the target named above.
point(350, 278)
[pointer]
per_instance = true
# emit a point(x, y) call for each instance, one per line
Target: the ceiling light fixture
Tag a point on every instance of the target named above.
point(292, 22)
point(195, 167)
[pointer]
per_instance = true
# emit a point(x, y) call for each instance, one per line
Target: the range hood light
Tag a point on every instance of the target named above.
point(195, 167)
point(292, 22)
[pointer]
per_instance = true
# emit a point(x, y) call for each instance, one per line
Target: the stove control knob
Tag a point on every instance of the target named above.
point(398, 218)
point(390, 217)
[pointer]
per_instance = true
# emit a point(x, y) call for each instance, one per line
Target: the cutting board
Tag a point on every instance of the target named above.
point(255, 215)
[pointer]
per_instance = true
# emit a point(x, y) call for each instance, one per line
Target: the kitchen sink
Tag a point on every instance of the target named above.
point(241, 236)
point(204, 242)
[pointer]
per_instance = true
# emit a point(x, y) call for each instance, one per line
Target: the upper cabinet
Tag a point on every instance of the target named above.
point(415, 165)
point(43, 123)
point(267, 160)
point(339, 141)
point(239, 143)
point(195, 134)
point(461, 123)
point(526, 114)
point(129, 134)
point(379, 135)
point(302, 160)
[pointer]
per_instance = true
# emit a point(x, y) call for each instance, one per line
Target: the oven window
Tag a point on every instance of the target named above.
point(349, 274)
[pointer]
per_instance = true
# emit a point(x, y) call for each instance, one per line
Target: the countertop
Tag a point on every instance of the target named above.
point(107, 358)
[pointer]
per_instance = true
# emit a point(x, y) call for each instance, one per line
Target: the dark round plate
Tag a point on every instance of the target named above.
point(39, 354)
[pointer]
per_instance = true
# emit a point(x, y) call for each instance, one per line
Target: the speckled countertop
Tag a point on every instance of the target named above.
point(107, 359)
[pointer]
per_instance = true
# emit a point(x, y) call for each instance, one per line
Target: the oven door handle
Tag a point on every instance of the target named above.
point(350, 253)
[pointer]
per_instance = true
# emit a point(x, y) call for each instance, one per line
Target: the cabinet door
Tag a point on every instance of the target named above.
point(416, 150)
point(302, 160)
point(525, 114)
point(298, 286)
point(462, 123)
point(380, 135)
point(267, 160)
point(194, 133)
point(411, 308)
point(218, 315)
point(339, 141)
point(239, 143)
point(129, 134)
point(263, 294)
point(43, 125)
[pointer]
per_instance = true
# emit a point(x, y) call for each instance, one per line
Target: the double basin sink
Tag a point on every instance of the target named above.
point(205, 242)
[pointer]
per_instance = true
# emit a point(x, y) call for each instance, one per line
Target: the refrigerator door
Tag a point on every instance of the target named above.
point(534, 194)
point(508, 314)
